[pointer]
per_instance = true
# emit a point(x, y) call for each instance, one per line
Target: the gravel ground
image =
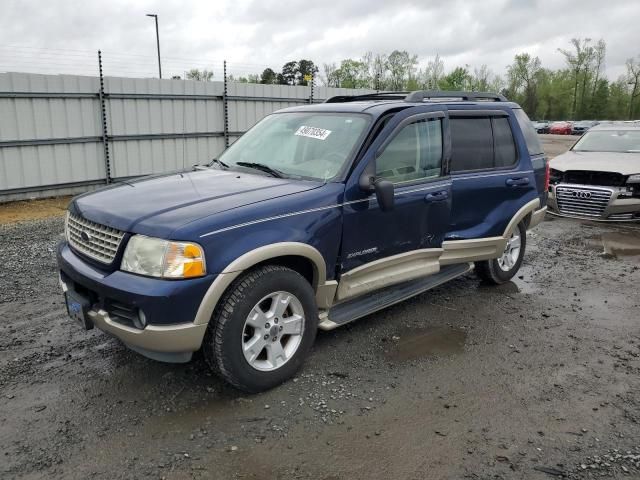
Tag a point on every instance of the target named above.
point(535, 379)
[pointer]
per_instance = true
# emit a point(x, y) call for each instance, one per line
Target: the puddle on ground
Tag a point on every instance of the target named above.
point(616, 244)
point(427, 342)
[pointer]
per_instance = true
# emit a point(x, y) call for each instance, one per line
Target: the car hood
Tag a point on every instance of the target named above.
point(163, 203)
point(623, 163)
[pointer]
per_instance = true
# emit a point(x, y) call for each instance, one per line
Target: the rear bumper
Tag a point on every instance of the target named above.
point(169, 307)
point(607, 204)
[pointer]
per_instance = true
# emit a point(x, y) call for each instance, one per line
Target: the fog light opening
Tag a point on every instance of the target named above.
point(141, 321)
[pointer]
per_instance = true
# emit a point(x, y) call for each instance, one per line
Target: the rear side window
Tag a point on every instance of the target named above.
point(530, 134)
point(505, 147)
point(481, 143)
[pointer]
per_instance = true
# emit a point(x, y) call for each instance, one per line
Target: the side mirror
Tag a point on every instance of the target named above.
point(384, 194)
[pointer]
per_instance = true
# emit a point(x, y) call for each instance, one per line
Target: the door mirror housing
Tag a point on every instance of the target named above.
point(383, 189)
point(384, 194)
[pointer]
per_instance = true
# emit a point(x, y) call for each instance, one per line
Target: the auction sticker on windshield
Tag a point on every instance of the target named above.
point(313, 132)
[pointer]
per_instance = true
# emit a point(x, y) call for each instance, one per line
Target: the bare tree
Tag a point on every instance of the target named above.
point(433, 73)
point(199, 75)
point(379, 70)
point(330, 77)
point(402, 67)
point(482, 79)
point(633, 78)
point(600, 52)
point(523, 77)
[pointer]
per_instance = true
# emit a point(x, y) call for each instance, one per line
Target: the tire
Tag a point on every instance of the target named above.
point(251, 313)
point(493, 271)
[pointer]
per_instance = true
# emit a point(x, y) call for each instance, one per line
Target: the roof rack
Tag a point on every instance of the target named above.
point(420, 96)
point(368, 96)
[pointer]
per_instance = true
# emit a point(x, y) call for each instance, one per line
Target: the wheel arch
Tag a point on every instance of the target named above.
point(304, 258)
point(525, 213)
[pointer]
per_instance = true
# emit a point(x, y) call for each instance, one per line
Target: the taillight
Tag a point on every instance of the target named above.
point(547, 176)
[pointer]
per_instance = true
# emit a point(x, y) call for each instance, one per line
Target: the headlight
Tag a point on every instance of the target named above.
point(155, 257)
point(634, 178)
point(555, 175)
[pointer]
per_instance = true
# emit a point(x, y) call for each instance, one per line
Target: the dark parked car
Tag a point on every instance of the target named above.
point(317, 216)
point(599, 178)
point(581, 127)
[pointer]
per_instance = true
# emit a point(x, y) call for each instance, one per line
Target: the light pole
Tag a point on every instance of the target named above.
point(157, 41)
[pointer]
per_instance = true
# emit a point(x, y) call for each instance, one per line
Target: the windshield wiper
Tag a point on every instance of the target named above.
point(263, 168)
point(219, 163)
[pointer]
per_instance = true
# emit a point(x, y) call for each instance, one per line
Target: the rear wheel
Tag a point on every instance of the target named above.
point(262, 329)
point(502, 269)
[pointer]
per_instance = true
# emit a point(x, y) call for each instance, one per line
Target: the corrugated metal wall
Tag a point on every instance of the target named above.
point(51, 132)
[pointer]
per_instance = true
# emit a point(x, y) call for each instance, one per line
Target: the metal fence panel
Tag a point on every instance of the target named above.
point(51, 127)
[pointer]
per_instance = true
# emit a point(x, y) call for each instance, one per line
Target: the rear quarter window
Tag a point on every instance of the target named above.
point(505, 147)
point(471, 143)
point(481, 143)
point(530, 134)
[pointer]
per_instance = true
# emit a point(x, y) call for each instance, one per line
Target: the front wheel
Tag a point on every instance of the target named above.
point(262, 329)
point(502, 269)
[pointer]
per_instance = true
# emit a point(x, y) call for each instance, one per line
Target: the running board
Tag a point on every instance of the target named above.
point(351, 310)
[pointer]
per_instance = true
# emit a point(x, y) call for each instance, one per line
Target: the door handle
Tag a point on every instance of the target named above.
point(517, 182)
point(437, 196)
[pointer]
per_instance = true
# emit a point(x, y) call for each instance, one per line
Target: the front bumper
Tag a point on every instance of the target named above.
point(593, 203)
point(169, 307)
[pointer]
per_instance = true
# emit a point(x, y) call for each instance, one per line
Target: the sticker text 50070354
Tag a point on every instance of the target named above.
point(313, 132)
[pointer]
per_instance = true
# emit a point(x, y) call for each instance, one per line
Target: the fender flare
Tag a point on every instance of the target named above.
point(528, 208)
point(254, 257)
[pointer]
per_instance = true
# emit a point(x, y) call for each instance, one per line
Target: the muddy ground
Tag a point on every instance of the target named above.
point(538, 378)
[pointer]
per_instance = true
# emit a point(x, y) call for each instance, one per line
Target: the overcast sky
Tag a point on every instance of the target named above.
point(60, 36)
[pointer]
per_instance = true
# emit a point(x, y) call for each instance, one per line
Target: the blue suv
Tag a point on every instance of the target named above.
point(317, 216)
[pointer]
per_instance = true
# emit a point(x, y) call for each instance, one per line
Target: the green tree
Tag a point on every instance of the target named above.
point(579, 62)
point(295, 72)
point(457, 79)
point(618, 102)
point(401, 66)
point(306, 68)
point(290, 72)
point(268, 77)
point(352, 74)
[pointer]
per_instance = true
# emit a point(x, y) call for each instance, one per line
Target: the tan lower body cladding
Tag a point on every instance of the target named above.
point(415, 264)
point(420, 263)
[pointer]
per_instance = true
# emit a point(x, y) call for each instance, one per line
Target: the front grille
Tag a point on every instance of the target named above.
point(92, 239)
point(586, 177)
point(582, 201)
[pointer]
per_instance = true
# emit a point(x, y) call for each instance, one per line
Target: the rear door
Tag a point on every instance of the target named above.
point(490, 171)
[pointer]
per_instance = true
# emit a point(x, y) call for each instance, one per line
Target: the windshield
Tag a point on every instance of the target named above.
point(305, 144)
point(609, 141)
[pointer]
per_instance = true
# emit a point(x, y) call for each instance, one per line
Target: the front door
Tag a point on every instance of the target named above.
point(379, 247)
